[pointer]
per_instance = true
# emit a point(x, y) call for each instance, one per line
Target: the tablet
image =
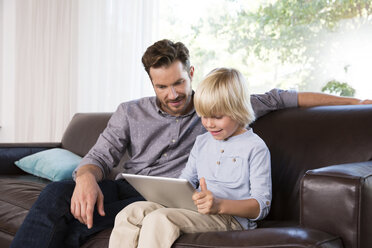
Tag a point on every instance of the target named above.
point(169, 192)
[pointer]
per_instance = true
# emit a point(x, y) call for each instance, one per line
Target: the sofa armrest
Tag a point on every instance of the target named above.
point(11, 152)
point(338, 200)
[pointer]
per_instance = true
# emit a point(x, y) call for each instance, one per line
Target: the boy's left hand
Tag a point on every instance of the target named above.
point(205, 201)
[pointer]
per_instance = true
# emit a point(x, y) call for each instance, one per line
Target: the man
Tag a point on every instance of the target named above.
point(158, 133)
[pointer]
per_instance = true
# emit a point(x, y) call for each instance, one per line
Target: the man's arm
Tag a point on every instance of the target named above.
point(96, 165)
point(111, 144)
point(87, 194)
point(277, 99)
point(273, 100)
point(310, 99)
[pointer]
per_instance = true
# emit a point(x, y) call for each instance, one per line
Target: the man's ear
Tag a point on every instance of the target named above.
point(191, 72)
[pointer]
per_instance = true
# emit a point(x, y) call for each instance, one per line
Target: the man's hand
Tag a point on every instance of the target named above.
point(367, 101)
point(205, 201)
point(86, 195)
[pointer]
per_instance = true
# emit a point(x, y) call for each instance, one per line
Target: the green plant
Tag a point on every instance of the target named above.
point(339, 88)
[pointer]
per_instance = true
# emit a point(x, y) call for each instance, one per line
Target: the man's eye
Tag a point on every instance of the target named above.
point(161, 87)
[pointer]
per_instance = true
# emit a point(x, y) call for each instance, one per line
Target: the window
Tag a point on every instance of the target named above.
point(303, 45)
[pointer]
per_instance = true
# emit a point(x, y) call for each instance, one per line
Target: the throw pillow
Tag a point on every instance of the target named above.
point(54, 164)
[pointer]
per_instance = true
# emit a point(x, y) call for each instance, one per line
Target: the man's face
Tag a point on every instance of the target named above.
point(172, 87)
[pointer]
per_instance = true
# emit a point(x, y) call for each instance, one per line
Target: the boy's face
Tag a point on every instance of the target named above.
point(172, 87)
point(222, 127)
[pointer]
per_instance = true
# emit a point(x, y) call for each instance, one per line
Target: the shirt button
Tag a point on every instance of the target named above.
point(222, 151)
point(173, 140)
point(234, 160)
point(176, 120)
point(165, 155)
point(267, 203)
point(218, 162)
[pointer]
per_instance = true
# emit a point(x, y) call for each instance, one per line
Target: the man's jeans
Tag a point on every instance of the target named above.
point(51, 224)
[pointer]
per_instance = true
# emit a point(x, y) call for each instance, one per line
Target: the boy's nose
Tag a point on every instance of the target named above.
point(210, 122)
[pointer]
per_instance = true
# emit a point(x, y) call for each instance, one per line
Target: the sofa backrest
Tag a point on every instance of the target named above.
point(83, 131)
point(299, 139)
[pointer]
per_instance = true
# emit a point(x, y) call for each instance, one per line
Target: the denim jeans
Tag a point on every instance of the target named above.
point(50, 223)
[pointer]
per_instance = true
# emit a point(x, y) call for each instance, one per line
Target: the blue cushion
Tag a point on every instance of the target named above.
point(54, 164)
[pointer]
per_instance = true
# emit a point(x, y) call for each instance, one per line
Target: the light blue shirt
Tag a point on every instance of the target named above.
point(237, 168)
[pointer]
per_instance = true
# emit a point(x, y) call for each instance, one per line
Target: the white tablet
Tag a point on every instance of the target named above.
point(169, 192)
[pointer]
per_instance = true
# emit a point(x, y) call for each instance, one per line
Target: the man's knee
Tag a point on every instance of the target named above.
point(58, 191)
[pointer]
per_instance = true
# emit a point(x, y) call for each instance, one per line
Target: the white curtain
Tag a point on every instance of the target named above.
point(112, 38)
point(60, 57)
point(7, 34)
point(45, 68)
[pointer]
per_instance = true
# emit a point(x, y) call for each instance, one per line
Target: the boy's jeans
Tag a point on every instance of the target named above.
point(50, 223)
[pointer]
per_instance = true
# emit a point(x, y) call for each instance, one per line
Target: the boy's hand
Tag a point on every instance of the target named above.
point(205, 201)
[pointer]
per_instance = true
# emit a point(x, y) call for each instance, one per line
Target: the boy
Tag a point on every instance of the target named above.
point(229, 158)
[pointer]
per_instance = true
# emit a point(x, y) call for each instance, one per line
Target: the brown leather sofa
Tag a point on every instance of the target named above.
point(321, 173)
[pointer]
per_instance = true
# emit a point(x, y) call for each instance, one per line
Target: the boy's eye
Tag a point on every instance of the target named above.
point(217, 117)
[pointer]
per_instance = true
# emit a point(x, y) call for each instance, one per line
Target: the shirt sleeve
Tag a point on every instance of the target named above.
point(273, 100)
point(190, 172)
point(111, 144)
point(260, 180)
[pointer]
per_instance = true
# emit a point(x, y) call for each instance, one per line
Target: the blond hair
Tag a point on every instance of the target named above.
point(223, 92)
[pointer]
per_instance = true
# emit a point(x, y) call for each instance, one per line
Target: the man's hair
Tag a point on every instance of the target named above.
point(223, 92)
point(164, 53)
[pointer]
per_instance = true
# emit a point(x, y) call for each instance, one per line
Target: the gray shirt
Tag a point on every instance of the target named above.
point(158, 144)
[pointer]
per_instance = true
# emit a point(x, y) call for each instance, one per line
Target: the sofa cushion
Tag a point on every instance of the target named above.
point(16, 198)
point(54, 164)
point(261, 237)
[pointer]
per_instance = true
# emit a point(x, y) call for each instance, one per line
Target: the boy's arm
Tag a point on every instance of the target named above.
point(249, 208)
point(189, 172)
point(208, 204)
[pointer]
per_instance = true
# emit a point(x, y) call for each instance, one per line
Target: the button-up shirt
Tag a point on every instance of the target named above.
point(236, 169)
point(158, 144)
